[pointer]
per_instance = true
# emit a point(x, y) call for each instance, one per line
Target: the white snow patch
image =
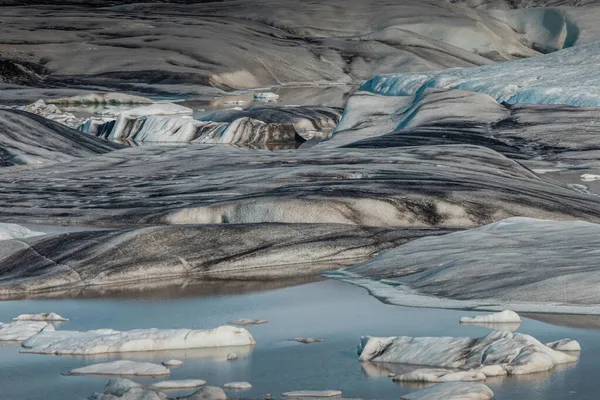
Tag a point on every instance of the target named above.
point(122, 367)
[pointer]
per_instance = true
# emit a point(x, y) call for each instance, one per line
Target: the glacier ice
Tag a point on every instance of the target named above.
point(565, 345)
point(440, 375)
point(516, 353)
point(521, 264)
point(22, 330)
point(15, 231)
point(561, 77)
point(505, 316)
point(172, 363)
point(40, 317)
point(452, 391)
point(110, 341)
point(101, 98)
point(232, 356)
point(178, 384)
point(313, 393)
point(266, 96)
point(238, 385)
point(122, 367)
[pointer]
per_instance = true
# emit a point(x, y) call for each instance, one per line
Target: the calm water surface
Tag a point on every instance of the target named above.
point(337, 312)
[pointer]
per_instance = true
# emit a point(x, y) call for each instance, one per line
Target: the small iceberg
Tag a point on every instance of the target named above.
point(178, 384)
point(122, 367)
point(440, 375)
point(505, 316)
point(307, 340)
point(248, 321)
point(565, 345)
point(52, 317)
point(452, 391)
point(238, 386)
point(172, 363)
point(111, 341)
point(313, 393)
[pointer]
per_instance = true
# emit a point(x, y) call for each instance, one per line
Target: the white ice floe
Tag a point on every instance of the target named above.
point(172, 363)
point(307, 340)
point(179, 384)
point(505, 316)
point(14, 231)
point(590, 177)
point(111, 341)
point(565, 345)
point(238, 385)
point(122, 367)
point(266, 97)
point(40, 317)
point(440, 375)
point(452, 391)
point(561, 77)
point(517, 353)
point(232, 356)
point(248, 321)
point(313, 393)
point(22, 330)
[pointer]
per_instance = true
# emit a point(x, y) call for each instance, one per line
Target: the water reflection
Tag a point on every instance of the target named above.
point(571, 321)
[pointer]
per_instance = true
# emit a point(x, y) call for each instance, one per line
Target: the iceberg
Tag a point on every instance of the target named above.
point(565, 345)
point(522, 264)
point(22, 330)
point(238, 386)
point(516, 353)
point(505, 316)
point(313, 393)
point(452, 391)
point(125, 389)
point(122, 367)
point(307, 340)
point(207, 393)
point(110, 341)
point(178, 384)
point(562, 77)
point(101, 98)
point(172, 363)
point(40, 317)
point(440, 375)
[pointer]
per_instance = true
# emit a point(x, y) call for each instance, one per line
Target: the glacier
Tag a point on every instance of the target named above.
point(104, 341)
point(562, 77)
point(521, 264)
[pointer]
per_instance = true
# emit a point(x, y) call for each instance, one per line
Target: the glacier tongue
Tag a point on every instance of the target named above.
point(562, 77)
point(111, 341)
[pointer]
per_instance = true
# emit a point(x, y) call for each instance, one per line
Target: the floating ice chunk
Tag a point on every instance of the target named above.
point(232, 356)
point(307, 340)
point(565, 345)
point(207, 393)
point(14, 231)
point(516, 352)
point(248, 321)
point(122, 367)
point(127, 390)
point(119, 386)
point(22, 330)
point(178, 384)
point(313, 393)
point(238, 385)
point(266, 97)
point(590, 177)
point(452, 391)
point(440, 375)
point(172, 363)
point(40, 317)
point(505, 316)
point(111, 341)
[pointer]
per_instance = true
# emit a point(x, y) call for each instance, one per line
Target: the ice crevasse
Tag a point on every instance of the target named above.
point(569, 76)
